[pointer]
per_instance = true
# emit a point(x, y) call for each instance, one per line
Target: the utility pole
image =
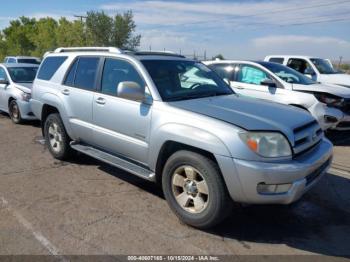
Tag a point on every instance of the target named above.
point(81, 17)
point(340, 59)
point(81, 21)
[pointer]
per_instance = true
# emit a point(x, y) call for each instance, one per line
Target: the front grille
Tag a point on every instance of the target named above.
point(315, 174)
point(306, 136)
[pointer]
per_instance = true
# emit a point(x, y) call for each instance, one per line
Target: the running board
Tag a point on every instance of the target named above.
point(114, 161)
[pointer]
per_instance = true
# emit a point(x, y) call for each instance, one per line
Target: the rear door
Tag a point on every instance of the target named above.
point(121, 125)
point(78, 91)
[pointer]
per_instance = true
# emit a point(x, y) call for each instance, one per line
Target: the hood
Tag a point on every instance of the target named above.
point(338, 79)
point(337, 90)
point(249, 113)
point(25, 87)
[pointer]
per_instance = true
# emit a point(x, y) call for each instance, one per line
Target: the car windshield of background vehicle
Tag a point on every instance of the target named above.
point(288, 75)
point(323, 66)
point(22, 74)
point(28, 61)
point(181, 80)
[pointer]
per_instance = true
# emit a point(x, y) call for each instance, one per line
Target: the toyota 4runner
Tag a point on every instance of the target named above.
point(204, 144)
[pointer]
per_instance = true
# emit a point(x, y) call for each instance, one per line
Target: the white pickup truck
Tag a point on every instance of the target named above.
point(319, 69)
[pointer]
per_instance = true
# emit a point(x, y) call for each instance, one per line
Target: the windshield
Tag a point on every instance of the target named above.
point(324, 66)
point(180, 80)
point(28, 61)
point(288, 74)
point(22, 74)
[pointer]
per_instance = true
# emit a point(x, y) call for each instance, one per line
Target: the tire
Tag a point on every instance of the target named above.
point(56, 137)
point(14, 112)
point(213, 206)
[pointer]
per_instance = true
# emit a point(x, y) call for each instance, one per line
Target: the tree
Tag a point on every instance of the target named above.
point(123, 32)
point(219, 56)
point(99, 27)
point(44, 38)
point(29, 36)
point(118, 31)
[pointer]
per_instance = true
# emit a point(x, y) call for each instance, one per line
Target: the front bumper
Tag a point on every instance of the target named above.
point(242, 177)
point(25, 110)
point(344, 124)
point(327, 117)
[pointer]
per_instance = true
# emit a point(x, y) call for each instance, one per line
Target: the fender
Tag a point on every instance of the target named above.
point(187, 135)
point(54, 101)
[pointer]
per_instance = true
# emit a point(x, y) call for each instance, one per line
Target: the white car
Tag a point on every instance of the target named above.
point(329, 104)
point(22, 60)
point(318, 69)
point(16, 82)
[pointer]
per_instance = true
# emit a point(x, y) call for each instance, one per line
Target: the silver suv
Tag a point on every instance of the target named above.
point(203, 143)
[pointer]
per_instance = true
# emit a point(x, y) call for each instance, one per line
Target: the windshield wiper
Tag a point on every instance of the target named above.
point(194, 96)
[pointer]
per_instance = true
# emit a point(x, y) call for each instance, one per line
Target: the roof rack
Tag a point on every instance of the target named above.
point(159, 53)
point(88, 49)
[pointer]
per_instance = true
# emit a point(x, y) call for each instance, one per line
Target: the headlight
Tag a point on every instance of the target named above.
point(267, 144)
point(329, 99)
point(26, 97)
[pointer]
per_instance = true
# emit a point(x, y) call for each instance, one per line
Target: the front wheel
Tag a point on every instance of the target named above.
point(15, 113)
point(195, 190)
point(56, 137)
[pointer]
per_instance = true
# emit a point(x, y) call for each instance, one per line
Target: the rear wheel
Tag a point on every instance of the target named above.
point(195, 190)
point(56, 137)
point(14, 112)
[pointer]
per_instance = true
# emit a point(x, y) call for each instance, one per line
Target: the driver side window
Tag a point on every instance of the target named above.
point(251, 75)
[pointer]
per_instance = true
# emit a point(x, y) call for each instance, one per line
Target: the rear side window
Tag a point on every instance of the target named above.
point(86, 72)
point(50, 66)
point(278, 60)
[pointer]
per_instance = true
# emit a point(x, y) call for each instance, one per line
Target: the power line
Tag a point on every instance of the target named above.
point(271, 12)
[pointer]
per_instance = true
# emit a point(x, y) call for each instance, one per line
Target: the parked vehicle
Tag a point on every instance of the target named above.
point(22, 60)
point(15, 90)
point(329, 104)
point(318, 69)
point(202, 142)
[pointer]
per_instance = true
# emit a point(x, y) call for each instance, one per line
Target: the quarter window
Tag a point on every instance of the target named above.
point(86, 71)
point(50, 66)
point(251, 75)
point(117, 71)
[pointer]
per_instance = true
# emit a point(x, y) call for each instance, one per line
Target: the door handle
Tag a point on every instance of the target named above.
point(101, 101)
point(239, 87)
point(66, 92)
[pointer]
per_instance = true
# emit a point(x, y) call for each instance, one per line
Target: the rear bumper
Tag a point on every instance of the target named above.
point(242, 177)
point(36, 107)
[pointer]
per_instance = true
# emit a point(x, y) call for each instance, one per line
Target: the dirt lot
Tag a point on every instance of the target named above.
point(87, 207)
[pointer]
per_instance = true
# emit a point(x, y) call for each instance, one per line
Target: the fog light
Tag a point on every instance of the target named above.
point(330, 119)
point(273, 188)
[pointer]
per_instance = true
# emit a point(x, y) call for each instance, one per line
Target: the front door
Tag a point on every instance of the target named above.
point(3, 97)
point(121, 125)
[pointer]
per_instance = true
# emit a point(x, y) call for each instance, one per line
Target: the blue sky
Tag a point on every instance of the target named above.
point(247, 29)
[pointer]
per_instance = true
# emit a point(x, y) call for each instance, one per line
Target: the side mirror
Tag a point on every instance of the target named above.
point(4, 81)
point(268, 82)
point(131, 90)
